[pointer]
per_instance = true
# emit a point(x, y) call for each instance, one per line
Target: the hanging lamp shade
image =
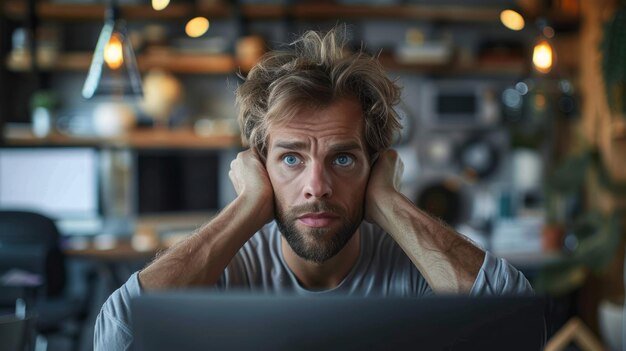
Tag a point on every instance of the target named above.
point(113, 70)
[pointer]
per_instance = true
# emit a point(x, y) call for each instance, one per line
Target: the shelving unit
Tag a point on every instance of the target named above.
point(185, 63)
point(139, 139)
point(95, 12)
point(87, 12)
point(440, 13)
point(173, 62)
point(512, 68)
point(227, 64)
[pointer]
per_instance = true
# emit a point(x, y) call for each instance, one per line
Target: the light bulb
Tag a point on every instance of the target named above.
point(160, 4)
point(113, 52)
point(512, 20)
point(542, 56)
point(196, 27)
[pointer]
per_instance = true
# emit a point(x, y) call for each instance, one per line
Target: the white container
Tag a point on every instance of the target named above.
point(42, 122)
point(610, 319)
point(111, 119)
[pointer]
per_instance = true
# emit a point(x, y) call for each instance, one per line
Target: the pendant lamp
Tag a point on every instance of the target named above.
point(113, 70)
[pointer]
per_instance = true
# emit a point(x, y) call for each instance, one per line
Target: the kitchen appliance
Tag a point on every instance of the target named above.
point(467, 104)
point(462, 150)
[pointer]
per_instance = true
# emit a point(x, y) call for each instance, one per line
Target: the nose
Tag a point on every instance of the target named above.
point(317, 182)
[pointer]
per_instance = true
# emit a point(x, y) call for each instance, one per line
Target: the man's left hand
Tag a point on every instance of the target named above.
point(384, 181)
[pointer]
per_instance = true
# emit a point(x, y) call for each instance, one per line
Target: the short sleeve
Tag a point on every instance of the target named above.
point(498, 277)
point(113, 325)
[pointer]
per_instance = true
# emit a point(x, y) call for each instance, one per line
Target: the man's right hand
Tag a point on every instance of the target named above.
point(252, 183)
point(201, 259)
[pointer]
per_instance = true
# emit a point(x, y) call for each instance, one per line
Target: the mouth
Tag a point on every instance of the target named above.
point(318, 219)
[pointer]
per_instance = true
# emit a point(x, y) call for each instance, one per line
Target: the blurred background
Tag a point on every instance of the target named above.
point(117, 128)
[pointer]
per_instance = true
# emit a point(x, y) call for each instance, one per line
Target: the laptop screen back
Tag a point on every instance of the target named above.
point(210, 321)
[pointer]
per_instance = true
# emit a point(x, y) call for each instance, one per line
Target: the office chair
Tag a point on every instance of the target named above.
point(30, 242)
point(17, 329)
point(14, 333)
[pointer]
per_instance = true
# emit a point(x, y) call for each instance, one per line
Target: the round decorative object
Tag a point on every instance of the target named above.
point(478, 158)
point(249, 50)
point(113, 119)
point(162, 92)
point(444, 200)
point(440, 151)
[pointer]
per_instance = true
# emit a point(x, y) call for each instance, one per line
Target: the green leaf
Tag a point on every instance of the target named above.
point(599, 237)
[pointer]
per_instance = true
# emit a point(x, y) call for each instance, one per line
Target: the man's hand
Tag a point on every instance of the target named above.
point(201, 259)
point(448, 261)
point(384, 181)
point(250, 179)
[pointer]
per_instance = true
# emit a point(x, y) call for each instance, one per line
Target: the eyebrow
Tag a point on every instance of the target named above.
point(291, 145)
point(346, 147)
point(299, 145)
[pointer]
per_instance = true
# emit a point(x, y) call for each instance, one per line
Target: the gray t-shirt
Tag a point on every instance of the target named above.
point(382, 269)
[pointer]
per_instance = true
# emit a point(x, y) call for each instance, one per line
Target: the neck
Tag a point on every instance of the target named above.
point(325, 275)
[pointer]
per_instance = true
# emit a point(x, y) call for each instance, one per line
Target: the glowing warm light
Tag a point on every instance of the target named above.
point(542, 56)
point(196, 27)
point(512, 20)
point(160, 4)
point(113, 53)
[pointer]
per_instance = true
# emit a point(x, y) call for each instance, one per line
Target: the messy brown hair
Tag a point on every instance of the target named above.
point(316, 71)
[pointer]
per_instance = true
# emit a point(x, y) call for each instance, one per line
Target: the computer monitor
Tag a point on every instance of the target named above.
point(59, 182)
point(177, 181)
point(217, 321)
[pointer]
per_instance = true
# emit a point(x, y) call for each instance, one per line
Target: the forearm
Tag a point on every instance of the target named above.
point(447, 260)
point(201, 259)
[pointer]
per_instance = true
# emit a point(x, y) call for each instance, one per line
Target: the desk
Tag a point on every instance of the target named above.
point(115, 265)
point(123, 251)
point(111, 261)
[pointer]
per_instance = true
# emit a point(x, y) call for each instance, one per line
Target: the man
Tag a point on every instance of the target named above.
point(320, 124)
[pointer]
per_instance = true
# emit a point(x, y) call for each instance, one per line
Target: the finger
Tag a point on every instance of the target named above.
point(398, 176)
point(234, 181)
point(398, 169)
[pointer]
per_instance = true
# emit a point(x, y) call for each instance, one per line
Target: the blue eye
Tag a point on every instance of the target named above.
point(290, 160)
point(344, 160)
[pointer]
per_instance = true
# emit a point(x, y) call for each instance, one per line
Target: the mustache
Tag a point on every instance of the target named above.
point(319, 206)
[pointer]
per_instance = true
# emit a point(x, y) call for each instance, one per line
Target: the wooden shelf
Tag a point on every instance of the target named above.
point(173, 62)
point(510, 68)
point(89, 12)
point(423, 12)
point(483, 69)
point(140, 139)
point(95, 12)
point(265, 11)
point(226, 64)
point(123, 250)
point(190, 63)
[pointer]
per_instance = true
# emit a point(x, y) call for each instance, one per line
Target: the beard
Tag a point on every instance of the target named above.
point(316, 244)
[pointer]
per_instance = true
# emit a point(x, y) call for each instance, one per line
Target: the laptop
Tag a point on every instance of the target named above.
point(237, 321)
